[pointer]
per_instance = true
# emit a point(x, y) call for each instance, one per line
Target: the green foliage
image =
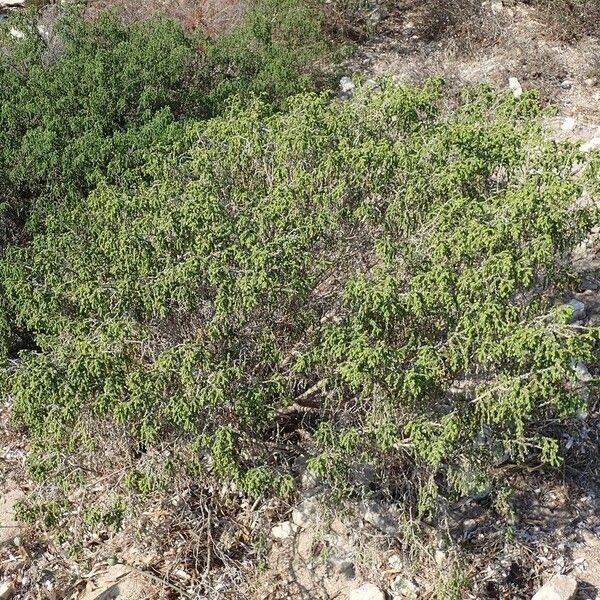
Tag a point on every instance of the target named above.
point(99, 102)
point(86, 105)
point(356, 260)
point(272, 54)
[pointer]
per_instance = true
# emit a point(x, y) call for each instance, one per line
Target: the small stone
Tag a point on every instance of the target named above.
point(17, 33)
point(496, 6)
point(590, 284)
point(469, 526)
point(567, 84)
point(342, 565)
point(568, 124)
point(581, 371)
point(284, 530)
point(346, 85)
point(18, 541)
point(395, 562)
point(305, 513)
point(368, 591)
point(440, 557)
point(404, 587)
point(376, 516)
point(578, 310)
point(7, 590)
point(560, 587)
point(593, 144)
point(591, 82)
point(378, 14)
point(515, 86)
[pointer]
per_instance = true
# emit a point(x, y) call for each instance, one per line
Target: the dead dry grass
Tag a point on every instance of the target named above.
point(213, 16)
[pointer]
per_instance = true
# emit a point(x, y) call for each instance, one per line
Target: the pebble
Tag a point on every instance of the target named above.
point(346, 84)
point(578, 310)
point(515, 86)
point(10, 528)
point(7, 589)
point(405, 588)
point(305, 513)
point(567, 84)
point(284, 530)
point(368, 591)
point(496, 6)
point(560, 587)
point(593, 144)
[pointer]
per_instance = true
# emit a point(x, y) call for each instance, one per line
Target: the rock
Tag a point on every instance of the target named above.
point(363, 474)
point(440, 557)
point(342, 564)
point(515, 86)
point(591, 82)
point(590, 284)
point(17, 33)
point(7, 590)
point(368, 591)
point(378, 14)
point(10, 528)
point(567, 84)
point(560, 587)
point(405, 588)
point(376, 516)
point(346, 85)
point(581, 371)
point(469, 527)
point(568, 124)
point(578, 310)
point(11, 3)
point(284, 530)
point(311, 484)
point(119, 582)
point(304, 514)
point(593, 144)
point(496, 6)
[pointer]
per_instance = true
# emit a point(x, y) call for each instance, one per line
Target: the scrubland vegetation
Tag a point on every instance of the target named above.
point(205, 250)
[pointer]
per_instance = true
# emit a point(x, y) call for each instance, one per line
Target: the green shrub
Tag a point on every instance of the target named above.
point(92, 100)
point(277, 51)
point(316, 282)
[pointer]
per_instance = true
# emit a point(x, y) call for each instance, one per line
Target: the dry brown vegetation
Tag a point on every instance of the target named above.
point(213, 16)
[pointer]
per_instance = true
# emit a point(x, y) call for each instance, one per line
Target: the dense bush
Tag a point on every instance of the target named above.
point(85, 101)
point(371, 281)
point(90, 97)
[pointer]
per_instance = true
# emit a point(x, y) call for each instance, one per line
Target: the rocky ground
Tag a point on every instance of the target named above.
point(549, 550)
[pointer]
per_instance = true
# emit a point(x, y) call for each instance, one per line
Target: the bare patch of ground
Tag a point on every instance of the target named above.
point(485, 42)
